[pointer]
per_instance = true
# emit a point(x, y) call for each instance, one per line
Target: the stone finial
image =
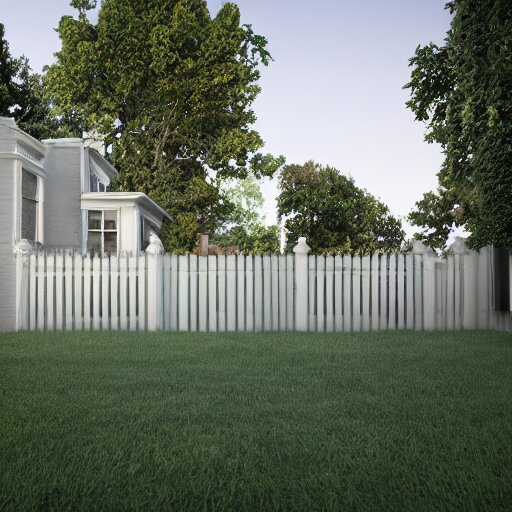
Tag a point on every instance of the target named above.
point(155, 244)
point(459, 246)
point(302, 247)
point(23, 247)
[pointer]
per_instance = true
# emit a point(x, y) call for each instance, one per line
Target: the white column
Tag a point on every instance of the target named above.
point(301, 284)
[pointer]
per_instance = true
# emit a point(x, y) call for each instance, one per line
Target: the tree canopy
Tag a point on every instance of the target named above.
point(333, 213)
point(244, 224)
point(21, 94)
point(171, 89)
point(463, 92)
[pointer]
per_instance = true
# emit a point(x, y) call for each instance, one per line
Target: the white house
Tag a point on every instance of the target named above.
point(55, 193)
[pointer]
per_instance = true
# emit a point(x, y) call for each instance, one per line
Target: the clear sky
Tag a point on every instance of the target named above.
point(334, 92)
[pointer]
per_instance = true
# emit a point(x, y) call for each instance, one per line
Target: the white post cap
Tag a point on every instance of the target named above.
point(302, 247)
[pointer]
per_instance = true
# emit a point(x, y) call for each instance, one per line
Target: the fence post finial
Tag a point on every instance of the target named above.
point(302, 247)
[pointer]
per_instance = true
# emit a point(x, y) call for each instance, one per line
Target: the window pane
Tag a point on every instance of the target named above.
point(28, 185)
point(94, 242)
point(94, 219)
point(28, 219)
point(110, 242)
point(110, 219)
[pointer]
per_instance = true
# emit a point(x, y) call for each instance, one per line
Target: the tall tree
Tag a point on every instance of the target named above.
point(171, 88)
point(463, 92)
point(244, 221)
point(333, 213)
point(21, 94)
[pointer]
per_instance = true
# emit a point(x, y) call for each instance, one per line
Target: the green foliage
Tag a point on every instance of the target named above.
point(243, 225)
point(463, 92)
point(21, 94)
point(333, 213)
point(171, 89)
point(258, 240)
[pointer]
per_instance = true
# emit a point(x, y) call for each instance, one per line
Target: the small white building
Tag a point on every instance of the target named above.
point(55, 193)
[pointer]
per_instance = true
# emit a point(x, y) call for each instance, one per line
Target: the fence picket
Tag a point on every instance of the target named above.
point(258, 293)
point(105, 296)
point(96, 296)
point(374, 264)
point(231, 292)
point(267, 294)
point(141, 291)
point(240, 292)
point(282, 292)
point(338, 293)
point(356, 293)
point(87, 292)
point(59, 291)
point(401, 291)
point(114, 293)
point(221, 283)
point(173, 292)
point(365, 292)
point(183, 301)
point(132, 290)
point(329, 293)
point(203, 293)
point(383, 290)
point(123, 292)
point(32, 292)
point(312, 292)
point(249, 293)
point(212, 293)
point(392, 292)
point(41, 290)
point(274, 263)
point(347, 293)
point(409, 285)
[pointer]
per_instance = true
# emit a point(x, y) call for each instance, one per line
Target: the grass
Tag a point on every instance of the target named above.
point(167, 421)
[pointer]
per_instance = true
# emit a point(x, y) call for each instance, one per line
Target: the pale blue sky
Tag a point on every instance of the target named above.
point(334, 93)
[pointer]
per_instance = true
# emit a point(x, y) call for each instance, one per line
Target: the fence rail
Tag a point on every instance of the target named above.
point(66, 291)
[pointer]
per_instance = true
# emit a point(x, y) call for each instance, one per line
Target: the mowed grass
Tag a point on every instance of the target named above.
point(187, 422)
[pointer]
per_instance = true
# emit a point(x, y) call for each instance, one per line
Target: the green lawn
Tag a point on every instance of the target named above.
point(382, 421)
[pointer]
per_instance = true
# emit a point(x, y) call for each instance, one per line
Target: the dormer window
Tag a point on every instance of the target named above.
point(29, 206)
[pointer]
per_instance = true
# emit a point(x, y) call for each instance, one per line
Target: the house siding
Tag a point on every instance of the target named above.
point(62, 197)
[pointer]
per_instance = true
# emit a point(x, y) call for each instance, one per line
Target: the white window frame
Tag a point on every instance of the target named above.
point(102, 229)
point(37, 234)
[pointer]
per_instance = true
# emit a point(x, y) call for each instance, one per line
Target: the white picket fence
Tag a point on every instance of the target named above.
point(66, 291)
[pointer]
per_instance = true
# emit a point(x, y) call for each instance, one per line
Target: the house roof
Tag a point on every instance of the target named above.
point(114, 198)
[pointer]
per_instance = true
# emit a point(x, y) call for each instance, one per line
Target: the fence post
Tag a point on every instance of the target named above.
point(301, 284)
point(22, 251)
point(427, 297)
point(461, 289)
point(155, 292)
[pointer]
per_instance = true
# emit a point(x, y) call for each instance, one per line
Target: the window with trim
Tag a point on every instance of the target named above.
point(102, 231)
point(29, 206)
